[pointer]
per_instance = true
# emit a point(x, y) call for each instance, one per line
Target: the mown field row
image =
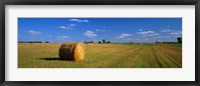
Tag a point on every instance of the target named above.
point(103, 56)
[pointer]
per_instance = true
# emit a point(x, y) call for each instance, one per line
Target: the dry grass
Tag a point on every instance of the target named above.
point(103, 56)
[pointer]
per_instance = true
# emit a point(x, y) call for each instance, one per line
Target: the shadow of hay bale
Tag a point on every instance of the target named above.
point(53, 59)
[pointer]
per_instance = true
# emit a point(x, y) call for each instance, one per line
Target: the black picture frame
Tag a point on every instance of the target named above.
point(99, 2)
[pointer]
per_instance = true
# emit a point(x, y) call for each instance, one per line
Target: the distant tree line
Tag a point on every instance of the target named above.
point(104, 41)
point(33, 42)
point(179, 40)
point(166, 42)
point(89, 42)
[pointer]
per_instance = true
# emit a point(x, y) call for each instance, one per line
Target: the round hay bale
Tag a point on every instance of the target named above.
point(72, 51)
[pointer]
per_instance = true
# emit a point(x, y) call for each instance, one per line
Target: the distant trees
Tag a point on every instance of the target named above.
point(23, 42)
point(33, 42)
point(179, 39)
point(104, 41)
point(47, 42)
point(166, 42)
point(108, 42)
point(89, 42)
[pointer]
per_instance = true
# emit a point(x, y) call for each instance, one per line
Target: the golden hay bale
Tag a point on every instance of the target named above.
point(72, 51)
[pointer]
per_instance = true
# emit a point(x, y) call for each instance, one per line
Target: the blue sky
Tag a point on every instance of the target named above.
point(95, 29)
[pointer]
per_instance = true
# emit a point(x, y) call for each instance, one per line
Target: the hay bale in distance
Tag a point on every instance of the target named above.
point(72, 51)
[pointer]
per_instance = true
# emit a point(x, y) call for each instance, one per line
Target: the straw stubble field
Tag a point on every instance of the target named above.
point(103, 56)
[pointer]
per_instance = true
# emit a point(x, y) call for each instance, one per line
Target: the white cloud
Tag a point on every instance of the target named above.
point(89, 33)
point(140, 29)
point(166, 30)
point(177, 36)
point(131, 39)
point(145, 32)
point(34, 32)
point(161, 37)
point(79, 20)
point(63, 37)
point(63, 27)
point(124, 35)
point(71, 25)
point(67, 27)
point(176, 33)
point(172, 32)
point(152, 34)
point(98, 30)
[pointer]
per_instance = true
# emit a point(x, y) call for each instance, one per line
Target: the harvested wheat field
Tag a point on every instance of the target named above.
point(46, 55)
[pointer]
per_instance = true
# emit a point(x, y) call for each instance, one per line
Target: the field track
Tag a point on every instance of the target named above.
point(103, 56)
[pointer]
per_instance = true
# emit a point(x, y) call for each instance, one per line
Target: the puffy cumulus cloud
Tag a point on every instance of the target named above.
point(154, 34)
point(147, 33)
point(62, 27)
point(166, 30)
point(67, 27)
point(124, 35)
point(71, 25)
point(162, 37)
point(98, 30)
point(63, 37)
point(34, 32)
point(79, 20)
point(89, 33)
point(176, 33)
